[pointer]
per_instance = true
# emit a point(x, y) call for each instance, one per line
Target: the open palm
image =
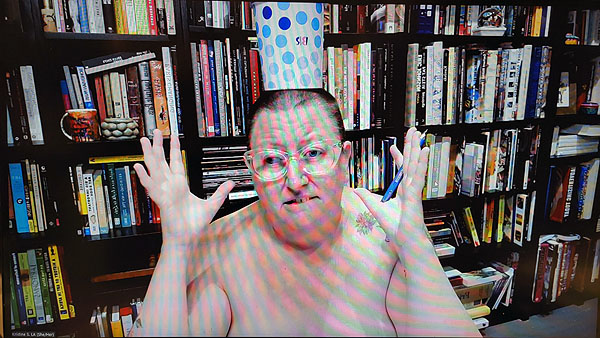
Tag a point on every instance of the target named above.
point(402, 217)
point(183, 214)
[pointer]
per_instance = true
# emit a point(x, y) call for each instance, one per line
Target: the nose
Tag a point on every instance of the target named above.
point(296, 178)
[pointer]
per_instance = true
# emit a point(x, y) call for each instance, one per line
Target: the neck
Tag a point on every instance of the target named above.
point(314, 251)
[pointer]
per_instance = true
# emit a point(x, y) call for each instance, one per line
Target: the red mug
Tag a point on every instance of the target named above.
point(82, 125)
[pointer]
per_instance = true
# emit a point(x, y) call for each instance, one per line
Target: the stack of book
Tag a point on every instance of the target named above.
point(220, 14)
point(227, 80)
point(114, 321)
point(471, 85)
point(359, 77)
point(443, 233)
point(571, 191)
point(23, 113)
point(371, 164)
point(577, 139)
point(489, 286)
point(220, 164)
point(564, 263)
point(40, 292)
point(109, 16)
point(31, 207)
point(128, 86)
point(110, 197)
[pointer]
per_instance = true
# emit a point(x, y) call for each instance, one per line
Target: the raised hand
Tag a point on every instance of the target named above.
point(402, 217)
point(182, 213)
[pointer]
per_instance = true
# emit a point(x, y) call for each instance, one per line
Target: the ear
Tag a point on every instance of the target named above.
point(346, 153)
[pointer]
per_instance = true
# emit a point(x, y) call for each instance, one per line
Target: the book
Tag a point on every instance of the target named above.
point(31, 104)
point(116, 60)
point(161, 110)
point(481, 276)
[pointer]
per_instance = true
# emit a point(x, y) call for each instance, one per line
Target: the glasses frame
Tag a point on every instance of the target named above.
point(248, 159)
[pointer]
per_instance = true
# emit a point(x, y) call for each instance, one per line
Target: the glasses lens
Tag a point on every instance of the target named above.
point(269, 164)
point(318, 158)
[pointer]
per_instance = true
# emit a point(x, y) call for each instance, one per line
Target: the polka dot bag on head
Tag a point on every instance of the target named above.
point(290, 44)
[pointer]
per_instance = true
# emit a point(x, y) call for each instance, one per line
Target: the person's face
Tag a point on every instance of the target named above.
point(302, 209)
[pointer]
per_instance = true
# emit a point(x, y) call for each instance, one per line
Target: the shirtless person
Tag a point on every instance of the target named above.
point(312, 256)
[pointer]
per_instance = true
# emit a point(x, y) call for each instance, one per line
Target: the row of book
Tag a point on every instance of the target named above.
point(576, 139)
point(571, 191)
point(583, 27)
point(509, 21)
point(564, 263)
point(24, 125)
point(579, 89)
point(360, 77)
point(227, 81)
point(115, 320)
point(220, 14)
point(490, 285)
point(128, 86)
point(496, 160)
point(40, 292)
point(223, 163)
point(471, 85)
point(371, 164)
point(31, 207)
point(110, 197)
point(147, 17)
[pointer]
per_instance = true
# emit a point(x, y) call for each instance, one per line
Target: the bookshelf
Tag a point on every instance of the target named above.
point(116, 269)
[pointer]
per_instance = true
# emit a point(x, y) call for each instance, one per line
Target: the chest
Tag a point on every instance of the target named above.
point(276, 294)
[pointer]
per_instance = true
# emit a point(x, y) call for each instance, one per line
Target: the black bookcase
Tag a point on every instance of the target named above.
point(86, 259)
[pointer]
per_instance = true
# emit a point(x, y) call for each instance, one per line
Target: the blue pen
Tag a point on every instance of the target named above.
point(399, 175)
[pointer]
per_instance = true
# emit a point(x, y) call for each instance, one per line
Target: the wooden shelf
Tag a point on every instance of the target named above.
point(123, 275)
point(106, 37)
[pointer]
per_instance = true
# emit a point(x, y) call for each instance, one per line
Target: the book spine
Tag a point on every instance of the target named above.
point(213, 87)
point(196, 72)
point(151, 9)
point(176, 90)
point(123, 197)
point(100, 202)
point(116, 95)
point(98, 84)
point(18, 195)
point(39, 200)
point(90, 197)
point(83, 16)
point(219, 78)
point(59, 286)
point(170, 16)
point(113, 194)
point(160, 100)
point(141, 16)
point(29, 199)
point(169, 90)
point(145, 81)
point(130, 13)
point(31, 104)
point(27, 289)
point(14, 305)
point(135, 195)
point(130, 195)
point(124, 100)
point(108, 11)
point(471, 224)
point(36, 287)
point(133, 97)
point(43, 277)
point(120, 26)
point(16, 275)
point(161, 17)
point(207, 91)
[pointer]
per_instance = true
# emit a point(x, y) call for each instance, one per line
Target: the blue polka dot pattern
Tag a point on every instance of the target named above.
point(302, 62)
point(257, 29)
point(288, 75)
point(314, 57)
point(283, 5)
point(271, 85)
point(281, 41)
point(288, 58)
point(267, 12)
point(319, 8)
point(318, 41)
point(269, 50)
point(301, 18)
point(317, 74)
point(273, 68)
point(266, 31)
point(305, 79)
point(260, 44)
point(315, 24)
point(285, 23)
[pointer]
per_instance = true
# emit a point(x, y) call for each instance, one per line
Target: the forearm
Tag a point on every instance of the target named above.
point(431, 305)
point(165, 309)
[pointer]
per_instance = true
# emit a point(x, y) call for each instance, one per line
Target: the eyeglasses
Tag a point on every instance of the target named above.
point(315, 159)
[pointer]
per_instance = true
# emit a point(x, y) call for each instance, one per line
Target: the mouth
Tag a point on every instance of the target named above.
point(299, 200)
